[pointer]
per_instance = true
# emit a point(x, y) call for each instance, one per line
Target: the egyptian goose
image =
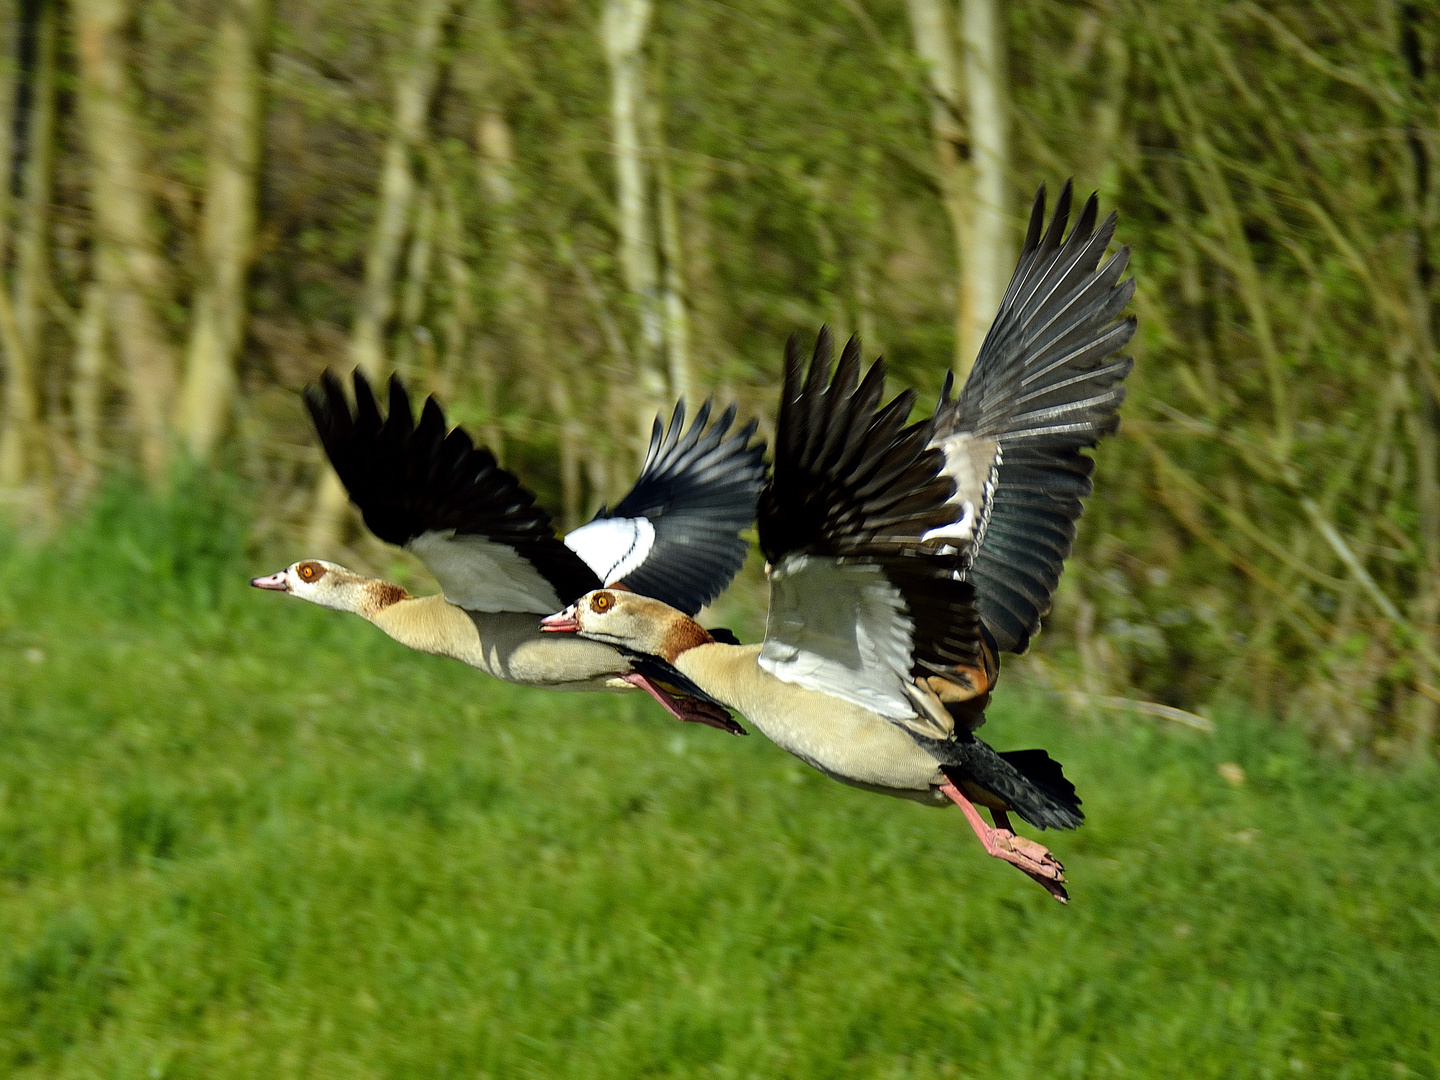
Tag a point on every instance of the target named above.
point(902, 559)
point(674, 537)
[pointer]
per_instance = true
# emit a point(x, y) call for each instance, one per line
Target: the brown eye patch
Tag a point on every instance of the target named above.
point(310, 571)
point(601, 603)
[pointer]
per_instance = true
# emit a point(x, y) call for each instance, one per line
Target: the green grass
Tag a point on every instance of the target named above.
point(244, 837)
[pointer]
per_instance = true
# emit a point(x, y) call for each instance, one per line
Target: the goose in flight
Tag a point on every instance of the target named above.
point(903, 559)
point(675, 538)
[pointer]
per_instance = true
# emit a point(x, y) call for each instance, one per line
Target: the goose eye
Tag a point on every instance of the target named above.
point(310, 572)
point(601, 603)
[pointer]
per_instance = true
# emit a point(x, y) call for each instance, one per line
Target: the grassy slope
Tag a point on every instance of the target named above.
point(276, 844)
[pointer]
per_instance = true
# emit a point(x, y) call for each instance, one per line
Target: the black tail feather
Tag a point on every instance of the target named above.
point(1046, 774)
point(1030, 782)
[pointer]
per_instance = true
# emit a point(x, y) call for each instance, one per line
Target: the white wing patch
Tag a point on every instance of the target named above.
point(481, 575)
point(973, 464)
point(962, 530)
point(613, 547)
point(840, 628)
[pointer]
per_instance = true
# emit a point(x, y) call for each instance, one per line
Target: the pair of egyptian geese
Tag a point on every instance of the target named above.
point(902, 558)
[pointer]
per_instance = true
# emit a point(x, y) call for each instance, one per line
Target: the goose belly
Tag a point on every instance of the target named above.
point(850, 744)
point(845, 741)
point(513, 647)
point(507, 645)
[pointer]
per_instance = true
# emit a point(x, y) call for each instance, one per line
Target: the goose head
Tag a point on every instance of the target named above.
point(629, 621)
point(333, 586)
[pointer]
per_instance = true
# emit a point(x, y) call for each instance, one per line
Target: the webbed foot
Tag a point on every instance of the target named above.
point(689, 709)
point(1030, 857)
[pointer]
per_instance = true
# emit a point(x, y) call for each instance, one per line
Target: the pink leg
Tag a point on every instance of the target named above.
point(1034, 859)
point(687, 709)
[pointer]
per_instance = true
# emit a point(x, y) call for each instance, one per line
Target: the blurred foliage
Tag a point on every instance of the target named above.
point(1265, 530)
point(181, 550)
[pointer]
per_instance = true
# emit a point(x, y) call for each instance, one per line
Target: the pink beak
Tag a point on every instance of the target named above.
point(278, 582)
point(562, 622)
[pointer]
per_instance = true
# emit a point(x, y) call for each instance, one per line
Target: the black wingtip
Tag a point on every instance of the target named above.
point(727, 418)
point(677, 422)
point(702, 416)
point(794, 367)
point(1089, 213)
point(402, 417)
point(329, 409)
point(1037, 221)
point(316, 401)
point(367, 409)
point(432, 422)
point(820, 361)
point(1060, 217)
point(326, 391)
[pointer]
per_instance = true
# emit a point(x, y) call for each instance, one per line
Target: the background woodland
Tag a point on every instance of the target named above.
point(560, 215)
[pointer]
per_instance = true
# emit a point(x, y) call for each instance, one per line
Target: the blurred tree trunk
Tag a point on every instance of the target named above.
point(22, 450)
point(992, 251)
point(86, 388)
point(971, 132)
point(128, 250)
point(460, 313)
point(19, 395)
point(32, 239)
point(414, 88)
point(677, 314)
point(9, 332)
point(934, 39)
point(9, 91)
point(496, 164)
point(419, 261)
point(217, 328)
point(623, 28)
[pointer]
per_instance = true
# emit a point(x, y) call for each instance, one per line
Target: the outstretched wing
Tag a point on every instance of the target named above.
point(862, 603)
point(473, 524)
point(676, 535)
point(1047, 383)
